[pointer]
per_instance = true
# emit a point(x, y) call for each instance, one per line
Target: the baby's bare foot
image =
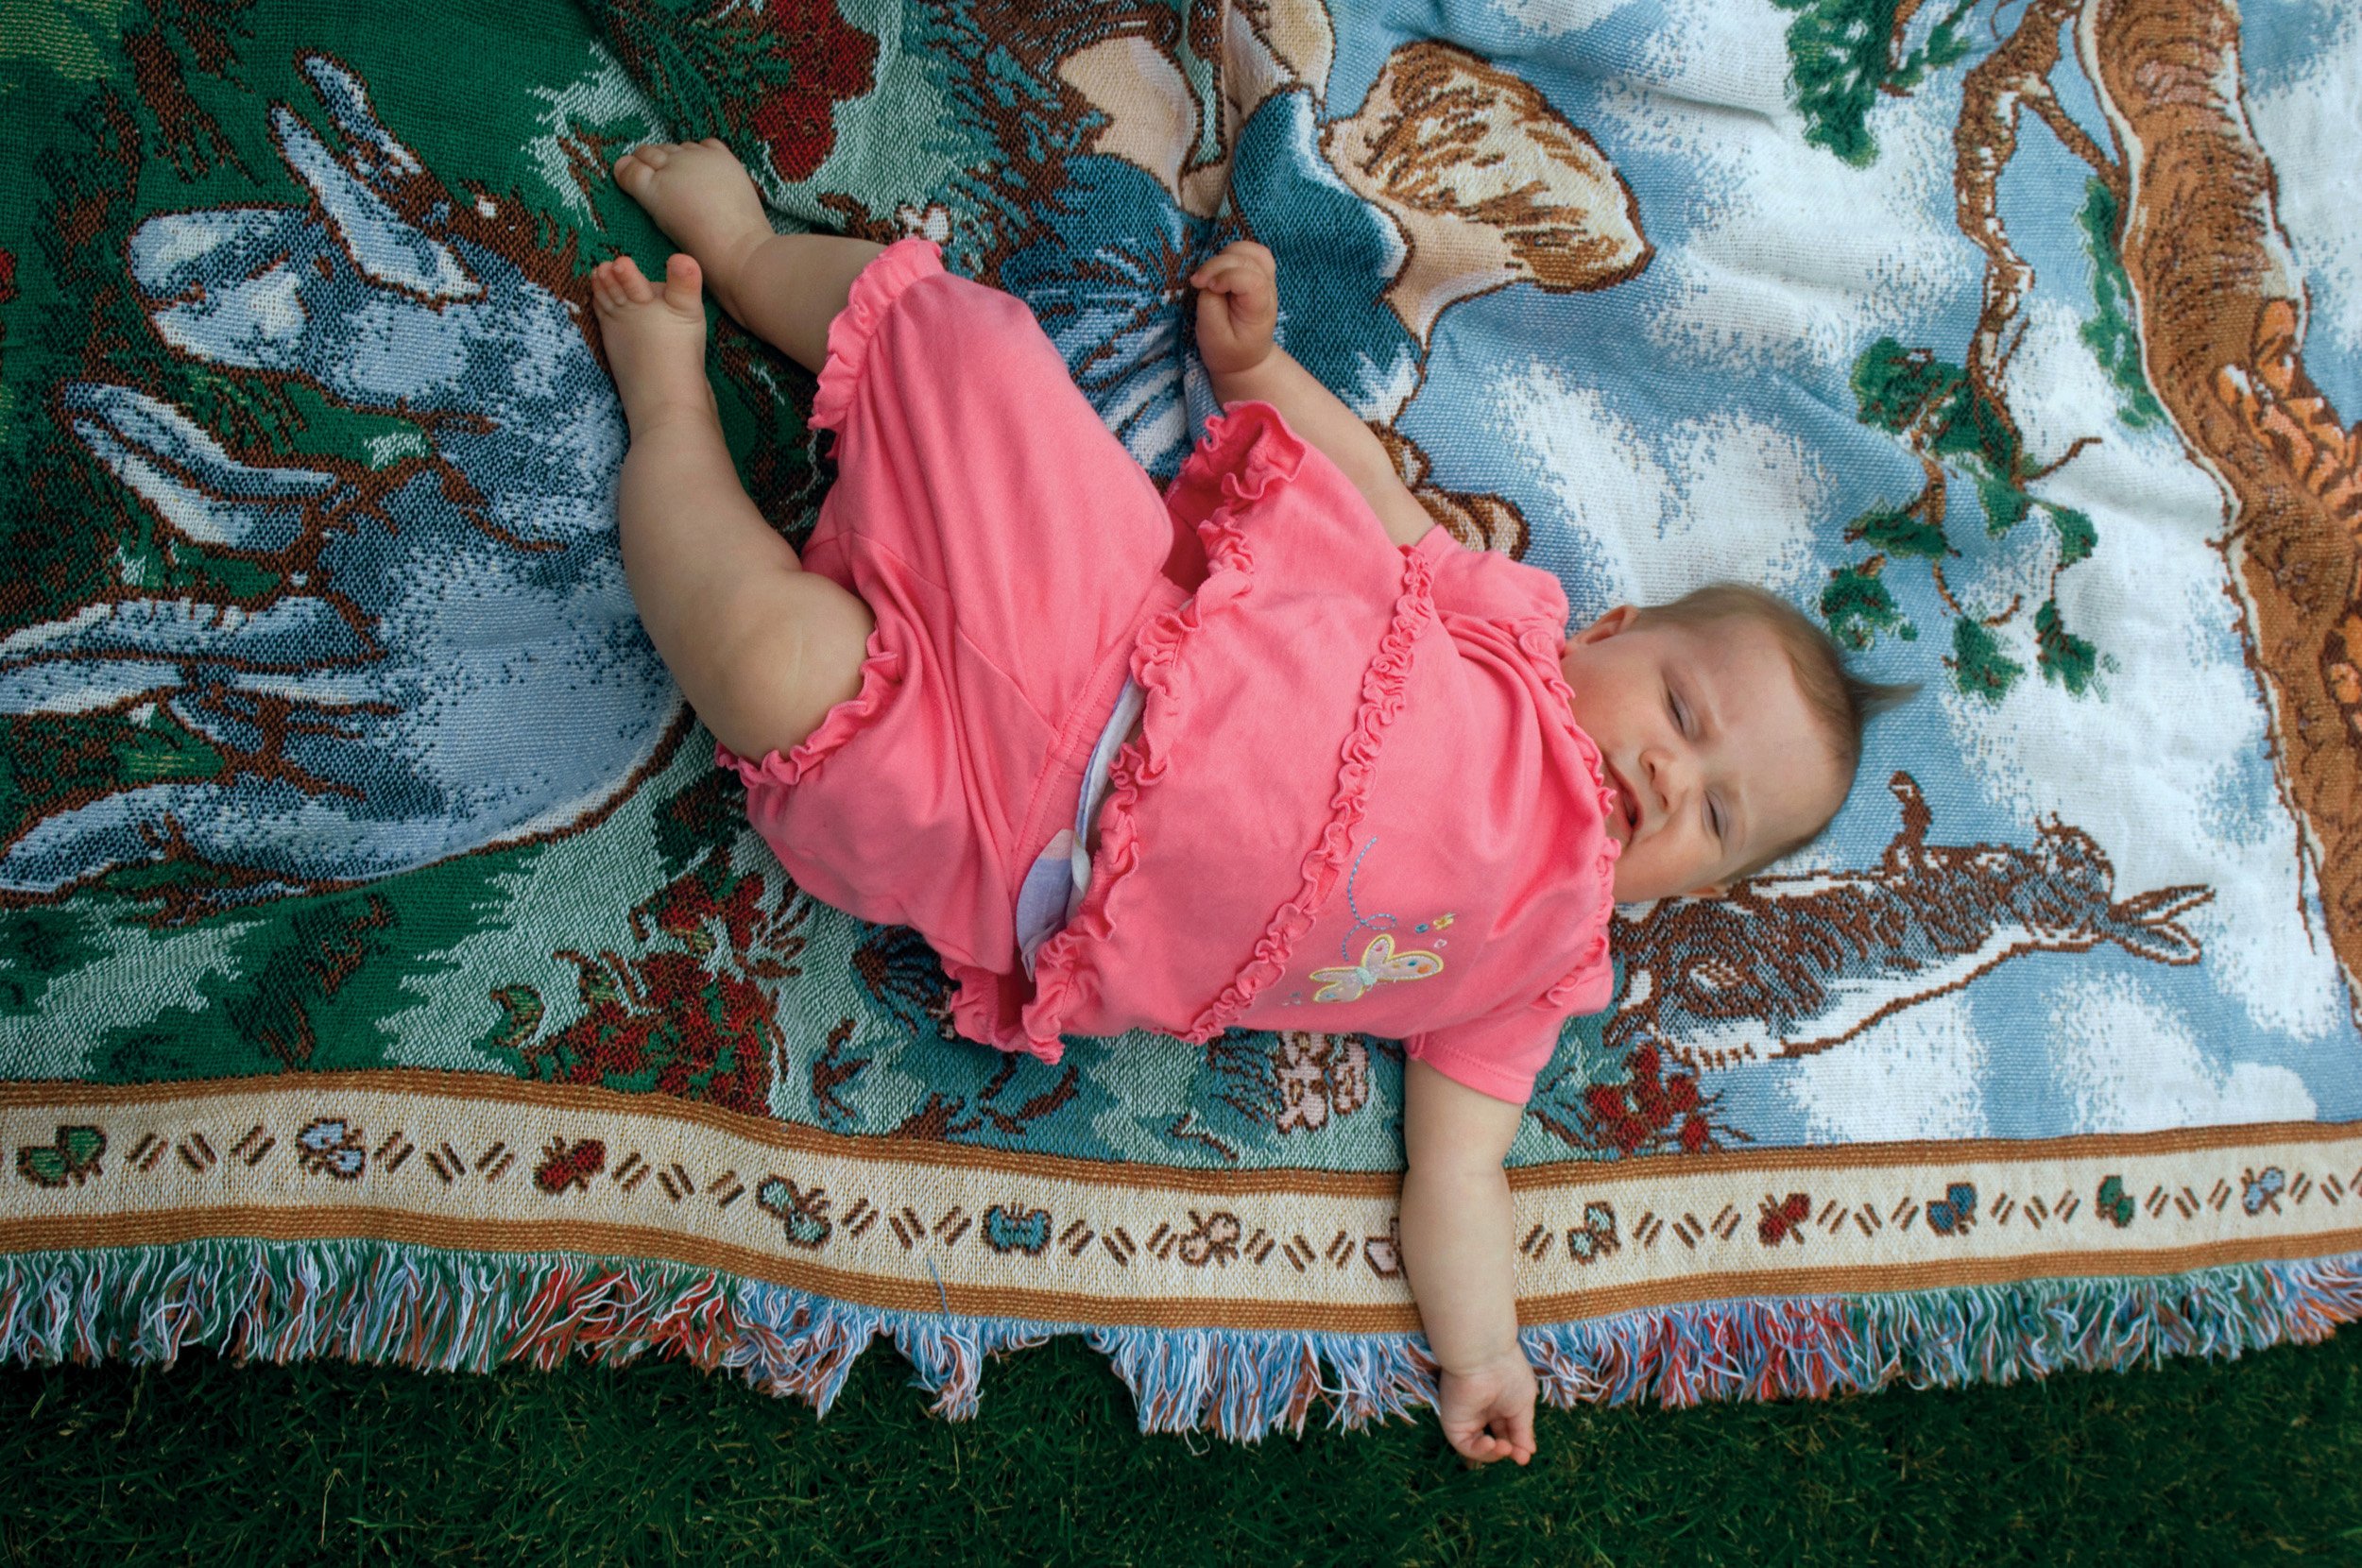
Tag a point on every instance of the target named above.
point(701, 197)
point(654, 340)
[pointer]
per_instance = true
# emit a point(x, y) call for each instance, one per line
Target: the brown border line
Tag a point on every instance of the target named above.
point(2021, 1151)
point(597, 1238)
point(477, 1087)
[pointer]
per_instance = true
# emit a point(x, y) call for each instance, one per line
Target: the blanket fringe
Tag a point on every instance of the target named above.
point(389, 1301)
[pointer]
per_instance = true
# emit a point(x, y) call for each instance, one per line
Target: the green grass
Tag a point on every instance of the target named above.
point(2249, 1462)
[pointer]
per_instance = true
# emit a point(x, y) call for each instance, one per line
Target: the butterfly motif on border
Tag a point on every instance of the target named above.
point(331, 1147)
point(1782, 1217)
point(1595, 1238)
point(74, 1157)
point(1379, 964)
point(1954, 1212)
point(2114, 1204)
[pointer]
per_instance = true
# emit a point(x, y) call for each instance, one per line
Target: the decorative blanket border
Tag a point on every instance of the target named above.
point(439, 1221)
point(474, 1164)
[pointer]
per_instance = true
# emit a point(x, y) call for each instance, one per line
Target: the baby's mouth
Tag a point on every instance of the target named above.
point(1627, 804)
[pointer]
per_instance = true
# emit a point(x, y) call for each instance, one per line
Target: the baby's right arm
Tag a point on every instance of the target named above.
point(1238, 309)
point(1457, 1248)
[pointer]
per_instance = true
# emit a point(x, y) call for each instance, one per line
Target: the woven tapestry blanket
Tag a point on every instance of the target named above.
point(386, 971)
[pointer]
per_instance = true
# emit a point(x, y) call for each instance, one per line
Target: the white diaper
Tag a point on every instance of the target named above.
point(1054, 885)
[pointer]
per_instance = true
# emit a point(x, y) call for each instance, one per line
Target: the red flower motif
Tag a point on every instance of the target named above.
point(695, 1022)
point(831, 63)
point(1647, 1111)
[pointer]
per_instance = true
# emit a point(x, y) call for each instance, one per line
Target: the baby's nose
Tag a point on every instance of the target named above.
point(1668, 777)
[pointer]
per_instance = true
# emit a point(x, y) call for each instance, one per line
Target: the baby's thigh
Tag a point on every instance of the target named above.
point(793, 650)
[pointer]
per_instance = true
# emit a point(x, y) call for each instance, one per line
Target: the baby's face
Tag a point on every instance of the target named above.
point(1714, 755)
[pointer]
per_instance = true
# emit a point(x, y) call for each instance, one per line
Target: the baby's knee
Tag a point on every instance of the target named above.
point(798, 654)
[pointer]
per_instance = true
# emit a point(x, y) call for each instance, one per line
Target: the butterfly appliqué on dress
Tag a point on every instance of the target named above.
point(1379, 963)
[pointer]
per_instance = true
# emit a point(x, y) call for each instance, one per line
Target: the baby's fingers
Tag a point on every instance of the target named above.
point(1474, 1444)
point(1250, 299)
point(1520, 1444)
point(1244, 265)
point(1220, 273)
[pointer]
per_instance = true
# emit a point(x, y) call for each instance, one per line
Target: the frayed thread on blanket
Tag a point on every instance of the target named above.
point(446, 1311)
point(387, 1302)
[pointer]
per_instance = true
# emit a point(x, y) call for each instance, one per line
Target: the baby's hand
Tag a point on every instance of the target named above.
point(1487, 1412)
point(1238, 307)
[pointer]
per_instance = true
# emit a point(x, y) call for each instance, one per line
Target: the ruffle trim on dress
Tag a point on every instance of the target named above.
point(880, 674)
point(1382, 696)
point(1253, 450)
point(875, 289)
point(976, 1004)
point(1537, 641)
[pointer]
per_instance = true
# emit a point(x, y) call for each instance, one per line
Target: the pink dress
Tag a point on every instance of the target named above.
point(1360, 802)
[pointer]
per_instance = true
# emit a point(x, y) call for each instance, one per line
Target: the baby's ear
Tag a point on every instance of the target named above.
point(1616, 620)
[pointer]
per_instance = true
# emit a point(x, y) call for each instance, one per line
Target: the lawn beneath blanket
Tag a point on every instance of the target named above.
point(2252, 1461)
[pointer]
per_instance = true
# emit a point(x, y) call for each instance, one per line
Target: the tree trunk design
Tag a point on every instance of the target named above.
point(2221, 321)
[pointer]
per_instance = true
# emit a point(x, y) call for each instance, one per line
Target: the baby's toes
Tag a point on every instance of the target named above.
point(636, 168)
point(631, 282)
point(682, 276)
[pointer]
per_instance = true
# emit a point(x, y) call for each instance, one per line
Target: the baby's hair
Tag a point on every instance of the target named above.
point(1843, 700)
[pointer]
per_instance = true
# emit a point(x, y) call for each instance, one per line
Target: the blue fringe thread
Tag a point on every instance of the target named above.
point(431, 1309)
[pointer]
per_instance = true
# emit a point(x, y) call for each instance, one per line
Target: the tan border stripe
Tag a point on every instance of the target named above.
point(476, 1088)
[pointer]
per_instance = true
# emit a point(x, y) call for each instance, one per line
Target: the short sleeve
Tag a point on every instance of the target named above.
point(1488, 584)
point(1499, 1054)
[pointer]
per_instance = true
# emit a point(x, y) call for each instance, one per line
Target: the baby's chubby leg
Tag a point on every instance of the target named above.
point(784, 288)
point(762, 649)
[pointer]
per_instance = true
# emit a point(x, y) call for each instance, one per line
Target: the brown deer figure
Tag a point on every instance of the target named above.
point(1791, 966)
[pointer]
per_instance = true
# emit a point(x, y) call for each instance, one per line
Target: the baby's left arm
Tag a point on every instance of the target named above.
point(1457, 1248)
point(1238, 311)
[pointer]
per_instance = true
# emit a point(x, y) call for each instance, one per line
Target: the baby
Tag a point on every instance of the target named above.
point(1268, 750)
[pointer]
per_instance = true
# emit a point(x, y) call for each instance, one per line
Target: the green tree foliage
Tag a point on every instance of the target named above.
point(1930, 403)
point(2064, 657)
point(1902, 390)
point(1858, 606)
point(2110, 333)
point(1841, 56)
point(1978, 665)
point(1932, 408)
point(37, 947)
point(2077, 537)
point(1903, 533)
